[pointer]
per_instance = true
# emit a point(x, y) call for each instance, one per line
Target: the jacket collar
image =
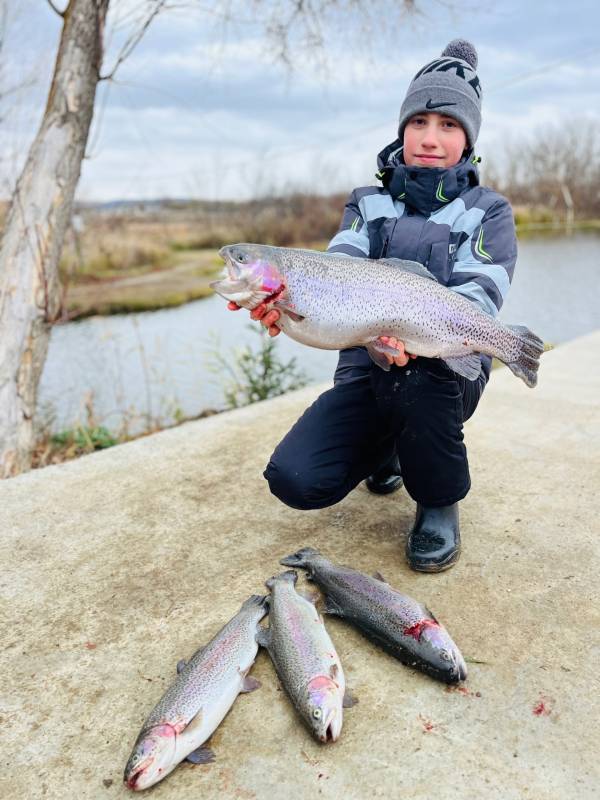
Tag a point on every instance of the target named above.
point(426, 189)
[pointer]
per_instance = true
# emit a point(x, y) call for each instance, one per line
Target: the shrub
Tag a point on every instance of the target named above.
point(249, 375)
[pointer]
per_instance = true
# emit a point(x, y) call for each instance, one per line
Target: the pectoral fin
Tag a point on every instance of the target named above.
point(349, 699)
point(250, 684)
point(201, 755)
point(263, 637)
point(332, 608)
point(376, 350)
point(288, 308)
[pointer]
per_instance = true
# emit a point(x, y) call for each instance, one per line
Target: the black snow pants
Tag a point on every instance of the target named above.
point(355, 428)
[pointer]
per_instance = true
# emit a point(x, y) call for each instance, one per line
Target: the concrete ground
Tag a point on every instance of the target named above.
point(117, 565)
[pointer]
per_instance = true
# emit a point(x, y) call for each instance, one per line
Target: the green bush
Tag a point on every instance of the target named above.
point(249, 375)
point(85, 438)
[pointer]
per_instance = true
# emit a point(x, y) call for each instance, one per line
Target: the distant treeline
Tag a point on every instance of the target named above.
point(553, 173)
point(282, 221)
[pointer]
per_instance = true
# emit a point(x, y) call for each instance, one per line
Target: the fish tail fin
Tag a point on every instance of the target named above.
point(528, 361)
point(256, 601)
point(301, 558)
point(289, 575)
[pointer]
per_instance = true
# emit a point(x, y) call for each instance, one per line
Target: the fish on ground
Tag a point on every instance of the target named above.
point(304, 657)
point(396, 622)
point(332, 302)
point(196, 703)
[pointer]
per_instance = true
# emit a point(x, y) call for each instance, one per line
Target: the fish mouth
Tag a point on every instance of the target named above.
point(454, 672)
point(455, 667)
point(331, 732)
point(133, 780)
point(231, 267)
point(461, 667)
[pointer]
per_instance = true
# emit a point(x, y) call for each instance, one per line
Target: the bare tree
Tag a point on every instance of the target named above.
point(42, 202)
point(36, 223)
point(556, 167)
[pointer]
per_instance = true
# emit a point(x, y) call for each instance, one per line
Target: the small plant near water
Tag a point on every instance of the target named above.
point(85, 439)
point(252, 374)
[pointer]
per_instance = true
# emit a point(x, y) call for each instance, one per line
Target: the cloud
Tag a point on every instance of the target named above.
point(198, 111)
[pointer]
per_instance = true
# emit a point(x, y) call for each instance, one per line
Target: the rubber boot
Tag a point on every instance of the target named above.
point(386, 479)
point(434, 542)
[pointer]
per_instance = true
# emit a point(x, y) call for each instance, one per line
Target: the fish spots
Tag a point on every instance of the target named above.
point(544, 706)
point(417, 629)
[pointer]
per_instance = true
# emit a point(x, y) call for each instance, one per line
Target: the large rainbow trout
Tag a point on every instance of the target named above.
point(333, 302)
point(396, 622)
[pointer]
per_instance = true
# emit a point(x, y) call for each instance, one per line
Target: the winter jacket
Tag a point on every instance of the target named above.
point(462, 232)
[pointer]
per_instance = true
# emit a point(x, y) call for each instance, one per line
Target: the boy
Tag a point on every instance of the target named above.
point(406, 425)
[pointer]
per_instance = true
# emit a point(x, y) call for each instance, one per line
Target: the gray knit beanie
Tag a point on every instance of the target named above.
point(447, 85)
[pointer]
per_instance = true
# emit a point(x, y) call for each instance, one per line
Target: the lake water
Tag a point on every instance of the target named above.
point(145, 369)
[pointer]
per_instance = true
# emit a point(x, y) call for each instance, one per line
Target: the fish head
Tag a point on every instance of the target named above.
point(152, 758)
point(323, 705)
point(443, 655)
point(251, 275)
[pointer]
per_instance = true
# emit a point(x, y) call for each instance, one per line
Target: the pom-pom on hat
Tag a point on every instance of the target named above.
point(447, 85)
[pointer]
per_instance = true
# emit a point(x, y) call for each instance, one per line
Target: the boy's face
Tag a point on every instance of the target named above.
point(433, 140)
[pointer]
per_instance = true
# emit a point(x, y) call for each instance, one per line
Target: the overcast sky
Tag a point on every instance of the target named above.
point(202, 111)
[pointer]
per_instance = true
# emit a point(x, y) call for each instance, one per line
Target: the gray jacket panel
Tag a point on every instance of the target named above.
point(462, 232)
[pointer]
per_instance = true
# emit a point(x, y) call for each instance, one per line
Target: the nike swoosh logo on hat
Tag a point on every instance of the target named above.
point(431, 105)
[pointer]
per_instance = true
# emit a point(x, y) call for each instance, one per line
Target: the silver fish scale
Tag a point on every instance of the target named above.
point(336, 296)
point(210, 668)
point(365, 598)
point(299, 643)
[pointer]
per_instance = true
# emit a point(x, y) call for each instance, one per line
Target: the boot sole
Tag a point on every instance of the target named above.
point(450, 562)
point(393, 487)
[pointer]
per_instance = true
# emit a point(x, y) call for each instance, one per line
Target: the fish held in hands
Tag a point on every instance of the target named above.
point(333, 302)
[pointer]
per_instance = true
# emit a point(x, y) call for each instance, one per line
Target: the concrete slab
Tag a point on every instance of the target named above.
point(117, 565)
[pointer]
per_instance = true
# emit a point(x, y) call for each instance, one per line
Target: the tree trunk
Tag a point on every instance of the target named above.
point(36, 225)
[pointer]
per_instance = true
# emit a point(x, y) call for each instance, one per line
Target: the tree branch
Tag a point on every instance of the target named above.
point(55, 9)
point(134, 39)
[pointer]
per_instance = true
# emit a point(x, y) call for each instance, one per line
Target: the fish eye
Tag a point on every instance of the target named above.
point(317, 713)
point(241, 258)
point(445, 655)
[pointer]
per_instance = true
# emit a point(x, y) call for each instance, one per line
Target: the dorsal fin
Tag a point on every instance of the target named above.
point(409, 266)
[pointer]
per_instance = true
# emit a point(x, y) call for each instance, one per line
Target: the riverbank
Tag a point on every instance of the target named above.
point(186, 278)
point(117, 565)
point(119, 265)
